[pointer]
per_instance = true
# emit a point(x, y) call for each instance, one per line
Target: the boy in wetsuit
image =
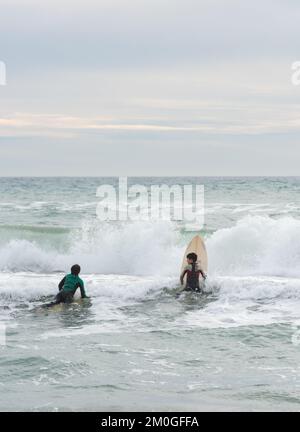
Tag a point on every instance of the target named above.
point(68, 286)
point(193, 271)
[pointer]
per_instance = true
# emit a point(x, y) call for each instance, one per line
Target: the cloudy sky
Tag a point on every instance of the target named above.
point(149, 87)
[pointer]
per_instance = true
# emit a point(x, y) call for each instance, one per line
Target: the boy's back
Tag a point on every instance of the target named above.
point(71, 282)
point(192, 271)
point(68, 286)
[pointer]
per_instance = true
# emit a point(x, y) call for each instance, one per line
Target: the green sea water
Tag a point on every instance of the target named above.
point(134, 345)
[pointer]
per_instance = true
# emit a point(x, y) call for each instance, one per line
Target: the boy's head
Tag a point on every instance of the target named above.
point(75, 269)
point(191, 258)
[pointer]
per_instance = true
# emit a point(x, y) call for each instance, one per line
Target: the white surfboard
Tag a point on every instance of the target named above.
point(197, 246)
point(60, 306)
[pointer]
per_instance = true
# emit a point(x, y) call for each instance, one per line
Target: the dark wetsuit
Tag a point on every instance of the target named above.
point(67, 288)
point(192, 272)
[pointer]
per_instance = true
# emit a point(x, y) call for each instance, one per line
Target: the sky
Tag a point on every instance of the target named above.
point(149, 87)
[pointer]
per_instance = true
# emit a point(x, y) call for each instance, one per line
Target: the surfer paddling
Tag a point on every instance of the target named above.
point(68, 286)
point(192, 271)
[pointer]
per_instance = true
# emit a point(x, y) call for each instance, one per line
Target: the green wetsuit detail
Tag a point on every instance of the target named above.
point(70, 283)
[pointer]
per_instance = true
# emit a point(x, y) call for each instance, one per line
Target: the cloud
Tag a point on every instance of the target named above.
point(127, 77)
point(111, 33)
point(200, 118)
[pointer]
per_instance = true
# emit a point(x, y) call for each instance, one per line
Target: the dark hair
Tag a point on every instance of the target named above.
point(75, 269)
point(192, 256)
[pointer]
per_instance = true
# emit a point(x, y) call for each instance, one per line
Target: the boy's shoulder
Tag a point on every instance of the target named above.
point(197, 267)
point(70, 275)
point(79, 280)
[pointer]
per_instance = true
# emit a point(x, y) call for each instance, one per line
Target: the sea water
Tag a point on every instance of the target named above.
point(135, 345)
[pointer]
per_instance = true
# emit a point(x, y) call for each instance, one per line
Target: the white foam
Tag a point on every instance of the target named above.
point(32, 286)
point(254, 246)
point(141, 248)
point(257, 246)
point(254, 268)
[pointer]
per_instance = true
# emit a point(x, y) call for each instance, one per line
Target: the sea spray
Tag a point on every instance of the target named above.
point(257, 245)
point(139, 248)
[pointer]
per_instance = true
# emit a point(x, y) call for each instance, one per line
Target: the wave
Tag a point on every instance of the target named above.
point(43, 229)
point(37, 287)
point(140, 248)
point(256, 245)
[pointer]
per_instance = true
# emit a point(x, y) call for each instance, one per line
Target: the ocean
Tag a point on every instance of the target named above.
point(134, 345)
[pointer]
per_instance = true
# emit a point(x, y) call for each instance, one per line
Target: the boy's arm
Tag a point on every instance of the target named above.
point(202, 272)
point(182, 276)
point(82, 290)
point(181, 281)
point(61, 284)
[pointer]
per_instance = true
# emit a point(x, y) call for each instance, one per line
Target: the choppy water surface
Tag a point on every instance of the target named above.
point(134, 345)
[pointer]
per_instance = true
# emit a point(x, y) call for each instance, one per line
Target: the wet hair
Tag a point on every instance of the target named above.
point(75, 269)
point(192, 256)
